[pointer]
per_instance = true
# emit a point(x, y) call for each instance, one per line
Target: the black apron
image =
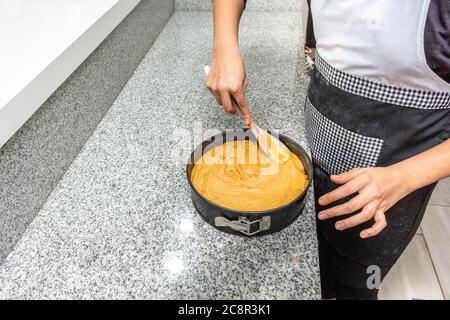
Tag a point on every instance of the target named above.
point(348, 130)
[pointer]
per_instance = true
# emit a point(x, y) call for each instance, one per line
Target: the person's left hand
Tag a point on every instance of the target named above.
point(378, 189)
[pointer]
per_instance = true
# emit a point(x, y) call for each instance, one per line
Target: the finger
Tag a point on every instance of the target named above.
point(366, 214)
point(245, 84)
point(346, 176)
point(380, 224)
point(226, 102)
point(243, 105)
point(217, 96)
point(348, 207)
point(212, 88)
point(343, 191)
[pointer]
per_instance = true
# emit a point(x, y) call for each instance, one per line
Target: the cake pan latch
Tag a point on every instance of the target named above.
point(244, 225)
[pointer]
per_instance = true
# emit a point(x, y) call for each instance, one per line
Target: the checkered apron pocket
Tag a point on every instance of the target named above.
point(336, 149)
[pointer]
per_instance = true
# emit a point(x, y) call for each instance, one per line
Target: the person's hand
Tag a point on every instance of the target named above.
point(378, 189)
point(227, 78)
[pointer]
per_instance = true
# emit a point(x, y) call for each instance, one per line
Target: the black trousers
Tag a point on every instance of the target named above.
point(343, 276)
point(346, 131)
point(310, 39)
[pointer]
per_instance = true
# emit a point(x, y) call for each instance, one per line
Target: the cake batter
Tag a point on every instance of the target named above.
point(237, 176)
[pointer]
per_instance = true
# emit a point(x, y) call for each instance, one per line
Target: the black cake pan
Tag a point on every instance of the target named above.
point(247, 223)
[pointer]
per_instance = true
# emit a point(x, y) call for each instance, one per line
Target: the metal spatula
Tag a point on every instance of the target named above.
point(270, 145)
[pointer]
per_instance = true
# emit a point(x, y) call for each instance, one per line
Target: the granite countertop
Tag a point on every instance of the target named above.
point(121, 223)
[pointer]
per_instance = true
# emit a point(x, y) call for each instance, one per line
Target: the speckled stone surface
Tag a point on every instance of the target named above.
point(257, 5)
point(121, 224)
point(35, 158)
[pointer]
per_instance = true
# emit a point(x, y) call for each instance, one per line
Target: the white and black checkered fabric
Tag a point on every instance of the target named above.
point(336, 149)
point(382, 92)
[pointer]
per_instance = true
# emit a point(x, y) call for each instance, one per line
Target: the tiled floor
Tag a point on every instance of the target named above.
point(423, 271)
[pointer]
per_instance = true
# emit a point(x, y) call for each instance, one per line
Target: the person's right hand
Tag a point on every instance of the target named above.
point(227, 78)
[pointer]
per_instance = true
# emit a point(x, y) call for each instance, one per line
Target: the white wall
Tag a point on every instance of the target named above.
point(41, 44)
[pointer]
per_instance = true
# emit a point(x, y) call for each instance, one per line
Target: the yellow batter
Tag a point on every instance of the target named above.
point(237, 176)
